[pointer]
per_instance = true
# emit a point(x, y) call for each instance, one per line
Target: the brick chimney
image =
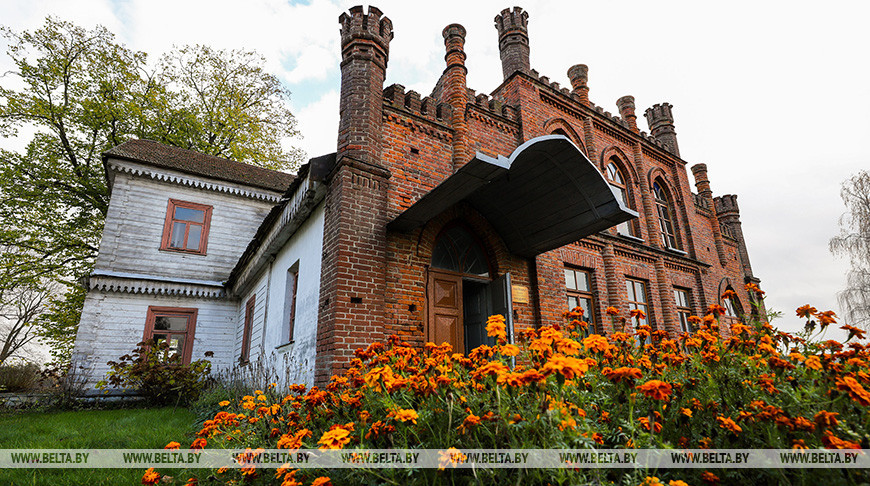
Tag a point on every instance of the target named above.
point(579, 75)
point(513, 40)
point(661, 126)
point(626, 111)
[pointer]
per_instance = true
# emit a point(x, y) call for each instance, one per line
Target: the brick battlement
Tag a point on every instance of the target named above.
point(372, 26)
point(427, 107)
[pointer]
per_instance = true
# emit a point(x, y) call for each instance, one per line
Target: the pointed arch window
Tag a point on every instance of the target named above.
point(618, 182)
point(664, 211)
point(457, 250)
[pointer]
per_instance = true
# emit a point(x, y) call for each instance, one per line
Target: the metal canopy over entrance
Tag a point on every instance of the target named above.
point(546, 195)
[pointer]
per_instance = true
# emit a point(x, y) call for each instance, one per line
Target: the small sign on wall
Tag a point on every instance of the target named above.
point(520, 294)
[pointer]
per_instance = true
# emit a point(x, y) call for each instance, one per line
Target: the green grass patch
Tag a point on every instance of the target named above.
point(90, 429)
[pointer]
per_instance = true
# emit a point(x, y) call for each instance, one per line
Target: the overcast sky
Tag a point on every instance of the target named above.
point(772, 96)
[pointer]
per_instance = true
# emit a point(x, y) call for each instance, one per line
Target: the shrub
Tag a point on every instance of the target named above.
point(728, 385)
point(19, 377)
point(160, 377)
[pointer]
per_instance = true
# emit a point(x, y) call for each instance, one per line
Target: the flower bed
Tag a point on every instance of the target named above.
point(745, 387)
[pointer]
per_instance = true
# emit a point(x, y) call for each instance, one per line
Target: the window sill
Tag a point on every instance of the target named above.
point(678, 252)
point(185, 252)
point(630, 237)
point(286, 346)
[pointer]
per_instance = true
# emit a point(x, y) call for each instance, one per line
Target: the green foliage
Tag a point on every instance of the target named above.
point(88, 429)
point(83, 93)
point(159, 376)
point(58, 325)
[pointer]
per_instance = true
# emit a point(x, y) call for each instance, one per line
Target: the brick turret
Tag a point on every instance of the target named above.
point(728, 214)
point(661, 126)
point(702, 183)
point(579, 76)
point(626, 111)
point(354, 268)
point(365, 48)
point(513, 40)
point(455, 89)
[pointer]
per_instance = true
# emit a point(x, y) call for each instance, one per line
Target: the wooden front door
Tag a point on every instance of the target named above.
point(444, 297)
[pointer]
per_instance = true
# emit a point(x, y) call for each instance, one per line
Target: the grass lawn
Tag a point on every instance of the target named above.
point(92, 429)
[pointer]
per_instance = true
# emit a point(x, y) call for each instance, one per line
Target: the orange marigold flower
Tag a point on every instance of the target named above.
point(199, 443)
point(709, 477)
point(469, 421)
point(566, 366)
point(651, 481)
point(644, 422)
point(856, 391)
point(151, 476)
point(322, 481)
point(335, 438)
point(596, 343)
point(686, 411)
point(406, 414)
point(806, 311)
point(495, 326)
point(640, 314)
point(729, 294)
point(622, 373)
point(853, 331)
point(172, 445)
point(509, 350)
point(655, 389)
point(813, 362)
point(611, 311)
point(568, 346)
point(801, 423)
point(826, 318)
point(224, 403)
point(831, 441)
point(826, 419)
point(799, 444)
point(677, 482)
point(729, 424)
point(715, 310)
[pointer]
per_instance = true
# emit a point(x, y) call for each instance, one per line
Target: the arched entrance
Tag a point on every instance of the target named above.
point(462, 291)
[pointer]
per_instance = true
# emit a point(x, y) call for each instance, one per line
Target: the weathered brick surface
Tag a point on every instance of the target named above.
point(394, 147)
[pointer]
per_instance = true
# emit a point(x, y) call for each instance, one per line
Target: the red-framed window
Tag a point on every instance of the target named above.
point(186, 227)
point(173, 325)
point(246, 332)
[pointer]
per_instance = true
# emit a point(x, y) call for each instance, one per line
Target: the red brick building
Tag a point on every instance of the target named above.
point(383, 274)
point(433, 213)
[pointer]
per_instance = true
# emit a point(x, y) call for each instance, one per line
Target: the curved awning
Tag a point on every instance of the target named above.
point(546, 195)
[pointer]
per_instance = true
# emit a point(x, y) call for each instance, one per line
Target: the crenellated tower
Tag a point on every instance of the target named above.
point(513, 40)
point(353, 268)
point(661, 126)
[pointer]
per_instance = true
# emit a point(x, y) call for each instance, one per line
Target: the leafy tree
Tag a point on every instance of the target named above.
point(84, 93)
point(854, 243)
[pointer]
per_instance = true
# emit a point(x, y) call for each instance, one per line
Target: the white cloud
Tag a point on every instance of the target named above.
point(318, 122)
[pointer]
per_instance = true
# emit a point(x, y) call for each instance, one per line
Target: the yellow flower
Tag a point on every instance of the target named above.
point(224, 403)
